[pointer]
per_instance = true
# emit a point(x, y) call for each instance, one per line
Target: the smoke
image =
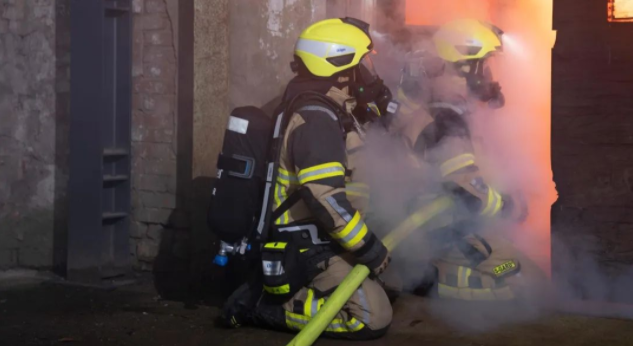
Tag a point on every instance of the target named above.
point(512, 145)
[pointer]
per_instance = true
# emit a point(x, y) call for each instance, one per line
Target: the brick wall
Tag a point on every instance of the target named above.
point(592, 151)
point(154, 141)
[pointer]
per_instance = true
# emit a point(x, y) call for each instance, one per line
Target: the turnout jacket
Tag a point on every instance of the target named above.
point(320, 160)
point(440, 135)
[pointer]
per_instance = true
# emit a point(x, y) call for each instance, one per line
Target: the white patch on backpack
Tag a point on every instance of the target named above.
point(238, 125)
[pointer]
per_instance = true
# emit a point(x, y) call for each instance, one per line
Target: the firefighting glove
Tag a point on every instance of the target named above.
point(382, 266)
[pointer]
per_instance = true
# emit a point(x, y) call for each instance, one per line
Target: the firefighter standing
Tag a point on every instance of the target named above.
point(318, 162)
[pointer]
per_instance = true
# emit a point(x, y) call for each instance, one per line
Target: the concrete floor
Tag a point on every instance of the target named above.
point(52, 314)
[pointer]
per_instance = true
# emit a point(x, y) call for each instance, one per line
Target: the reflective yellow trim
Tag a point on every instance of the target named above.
point(338, 326)
point(348, 228)
point(352, 243)
point(493, 204)
point(323, 171)
point(353, 233)
point(276, 245)
point(463, 273)
point(303, 250)
point(357, 189)
point(312, 305)
point(374, 108)
point(456, 163)
point(277, 290)
point(287, 178)
point(307, 305)
point(280, 196)
point(498, 204)
point(298, 322)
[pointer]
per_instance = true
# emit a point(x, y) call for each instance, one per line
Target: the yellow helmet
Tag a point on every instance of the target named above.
point(333, 45)
point(467, 39)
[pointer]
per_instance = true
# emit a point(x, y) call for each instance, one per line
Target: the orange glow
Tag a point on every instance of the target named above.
point(431, 12)
point(620, 10)
point(516, 138)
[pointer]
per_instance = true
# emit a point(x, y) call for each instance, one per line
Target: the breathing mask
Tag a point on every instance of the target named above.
point(480, 82)
point(373, 97)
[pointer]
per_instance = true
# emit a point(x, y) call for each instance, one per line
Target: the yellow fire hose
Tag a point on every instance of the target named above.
point(355, 278)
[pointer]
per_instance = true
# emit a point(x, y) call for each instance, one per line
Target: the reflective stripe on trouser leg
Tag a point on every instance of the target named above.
point(311, 307)
point(338, 325)
point(463, 291)
point(463, 273)
point(364, 305)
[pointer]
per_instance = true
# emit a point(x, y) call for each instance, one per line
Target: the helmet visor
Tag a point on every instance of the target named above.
point(367, 71)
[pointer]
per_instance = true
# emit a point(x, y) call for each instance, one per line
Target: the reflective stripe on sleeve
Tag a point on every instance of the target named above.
point(455, 164)
point(357, 189)
point(353, 233)
point(494, 203)
point(323, 171)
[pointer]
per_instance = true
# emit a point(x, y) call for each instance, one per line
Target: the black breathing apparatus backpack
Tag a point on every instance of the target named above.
point(240, 212)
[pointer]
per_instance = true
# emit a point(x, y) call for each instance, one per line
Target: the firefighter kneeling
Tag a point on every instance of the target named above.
point(318, 233)
point(474, 262)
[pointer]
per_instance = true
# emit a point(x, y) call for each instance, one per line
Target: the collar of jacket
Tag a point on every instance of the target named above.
point(342, 98)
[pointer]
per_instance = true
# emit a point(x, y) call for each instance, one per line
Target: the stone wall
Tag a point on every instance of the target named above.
point(30, 126)
point(154, 126)
point(592, 151)
point(263, 35)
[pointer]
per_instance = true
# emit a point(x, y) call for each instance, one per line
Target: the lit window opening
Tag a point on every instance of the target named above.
point(620, 10)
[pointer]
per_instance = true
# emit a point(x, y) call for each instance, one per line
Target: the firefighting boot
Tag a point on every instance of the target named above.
point(239, 307)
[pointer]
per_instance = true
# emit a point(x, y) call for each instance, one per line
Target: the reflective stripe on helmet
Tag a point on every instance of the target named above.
point(323, 49)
